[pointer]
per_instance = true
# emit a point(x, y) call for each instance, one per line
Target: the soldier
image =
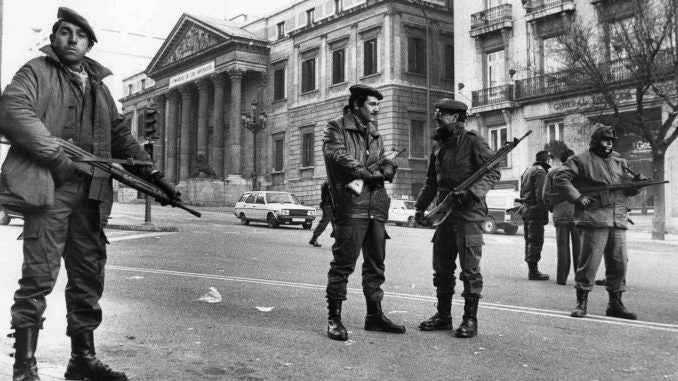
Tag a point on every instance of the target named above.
point(460, 153)
point(535, 214)
point(600, 219)
point(326, 207)
point(563, 220)
point(65, 204)
point(351, 144)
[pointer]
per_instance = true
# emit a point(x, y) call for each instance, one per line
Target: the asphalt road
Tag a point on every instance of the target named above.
point(270, 323)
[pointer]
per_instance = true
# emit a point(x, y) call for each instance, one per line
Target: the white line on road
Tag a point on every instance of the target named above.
point(135, 236)
point(486, 305)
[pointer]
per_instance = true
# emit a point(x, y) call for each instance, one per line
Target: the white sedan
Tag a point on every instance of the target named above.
point(274, 209)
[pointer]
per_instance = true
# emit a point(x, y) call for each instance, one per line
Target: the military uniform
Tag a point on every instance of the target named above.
point(326, 207)
point(535, 213)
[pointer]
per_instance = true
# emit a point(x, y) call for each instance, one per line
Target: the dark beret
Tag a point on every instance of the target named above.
point(360, 89)
point(543, 155)
point(448, 104)
point(73, 17)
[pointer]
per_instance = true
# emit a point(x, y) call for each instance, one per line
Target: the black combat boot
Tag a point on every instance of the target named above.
point(84, 365)
point(534, 273)
point(335, 330)
point(314, 241)
point(376, 321)
point(469, 325)
point(25, 364)
point(615, 308)
point(582, 304)
point(442, 320)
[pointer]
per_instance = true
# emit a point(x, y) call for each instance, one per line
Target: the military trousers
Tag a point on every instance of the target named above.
point(71, 230)
point(454, 239)
point(566, 235)
point(596, 244)
point(324, 221)
point(351, 235)
point(533, 232)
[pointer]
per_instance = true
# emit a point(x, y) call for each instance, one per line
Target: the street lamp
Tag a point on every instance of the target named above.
point(254, 121)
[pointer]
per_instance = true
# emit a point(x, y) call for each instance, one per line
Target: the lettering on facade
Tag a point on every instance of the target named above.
point(622, 96)
point(192, 74)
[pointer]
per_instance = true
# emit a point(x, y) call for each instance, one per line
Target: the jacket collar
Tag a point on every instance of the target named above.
point(543, 165)
point(96, 70)
point(351, 123)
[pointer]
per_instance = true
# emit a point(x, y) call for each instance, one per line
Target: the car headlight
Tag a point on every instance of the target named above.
point(311, 213)
point(285, 212)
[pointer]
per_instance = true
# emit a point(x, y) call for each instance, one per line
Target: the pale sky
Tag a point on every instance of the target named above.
point(129, 31)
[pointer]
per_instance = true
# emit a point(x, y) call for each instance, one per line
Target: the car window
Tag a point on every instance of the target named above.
point(283, 198)
point(243, 197)
point(260, 199)
point(250, 198)
point(409, 204)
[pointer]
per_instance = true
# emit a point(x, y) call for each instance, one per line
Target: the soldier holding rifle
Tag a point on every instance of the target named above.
point(460, 154)
point(65, 203)
point(593, 182)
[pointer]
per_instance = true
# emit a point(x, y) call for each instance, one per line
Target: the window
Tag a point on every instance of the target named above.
point(338, 66)
point(251, 198)
point(497, 137)
point(495, 68)
point(307, 149)
point(417, 138)
point(143, 84)
point(310, 16)
point(370, 57)
point(141, 113)
point(281, 29)
point(129, 89)
point(279, 84)
point(555, 130)
point(278, 152)
point(260, 199)
point(337, 6)
point(416, 55)
point(553, 55)
point(308, 75)
point(449, 62)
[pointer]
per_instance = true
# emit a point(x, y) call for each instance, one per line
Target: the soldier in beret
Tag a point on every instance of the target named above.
point(458, 155)
point(65, 203)
point(351, 144)
point(535, 214)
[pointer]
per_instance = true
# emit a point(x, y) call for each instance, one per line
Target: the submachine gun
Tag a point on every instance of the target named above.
point(356, 186)
point(444, 208)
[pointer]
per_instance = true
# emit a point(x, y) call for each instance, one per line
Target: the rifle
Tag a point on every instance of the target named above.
point(443, 209)
point(617, 187)
point(120, 174)
point(356, 186)
point(521, 201)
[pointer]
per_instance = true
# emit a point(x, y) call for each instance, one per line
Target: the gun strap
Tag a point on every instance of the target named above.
point(128, 161)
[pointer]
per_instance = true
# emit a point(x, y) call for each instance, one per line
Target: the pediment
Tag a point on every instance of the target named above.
point(193, 40)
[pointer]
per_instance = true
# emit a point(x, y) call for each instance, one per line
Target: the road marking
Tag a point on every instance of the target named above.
point(491, 306)
point(135, 236)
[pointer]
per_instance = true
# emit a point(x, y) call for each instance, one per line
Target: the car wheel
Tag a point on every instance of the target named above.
point(489, 226)
point(307, 225)
point(4, 217)
point(411, 222)
point(243, 219)
point(271, 221)
point(510, 229)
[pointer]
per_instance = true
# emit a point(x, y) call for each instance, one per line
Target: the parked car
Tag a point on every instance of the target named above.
point(6, 215)
point(401, 212)
point(274, 209)
point(498, 202)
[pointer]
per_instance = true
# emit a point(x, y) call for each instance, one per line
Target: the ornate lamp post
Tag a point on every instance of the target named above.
point(254, 121)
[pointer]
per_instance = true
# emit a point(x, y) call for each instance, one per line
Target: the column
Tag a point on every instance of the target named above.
point(218, 163)
point(235, 124)
point(185, 139)
point(171, 136)
point(203, 99)
point(159, 146)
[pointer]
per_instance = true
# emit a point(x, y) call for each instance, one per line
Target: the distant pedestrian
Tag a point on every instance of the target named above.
point(328, 214)
point(563, 220)
point(535, 213)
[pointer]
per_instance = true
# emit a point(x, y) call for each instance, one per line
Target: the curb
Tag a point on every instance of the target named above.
point(143, 228)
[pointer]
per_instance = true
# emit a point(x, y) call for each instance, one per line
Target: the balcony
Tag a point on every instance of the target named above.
point(492, 98)
point(536, 9)
point(614, 72)
point(491, 20)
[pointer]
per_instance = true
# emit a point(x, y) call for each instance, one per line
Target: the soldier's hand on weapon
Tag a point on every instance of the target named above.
point(374, 179)
point(640, 177)
point(420, 218)
point(158, 178)
point(585, 201)
point(389, 171)
point(462, 197)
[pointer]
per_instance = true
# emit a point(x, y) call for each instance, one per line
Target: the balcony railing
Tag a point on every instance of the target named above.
point(492, 96)
point(533, 6)
point(491, 19)
point(613, 72)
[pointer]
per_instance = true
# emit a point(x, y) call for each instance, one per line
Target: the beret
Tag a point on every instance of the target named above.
point(450, 105)
point(73, 17)
point(360, 89)
point(542, 155)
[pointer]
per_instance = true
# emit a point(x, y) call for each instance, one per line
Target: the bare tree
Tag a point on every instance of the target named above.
point(615, 53)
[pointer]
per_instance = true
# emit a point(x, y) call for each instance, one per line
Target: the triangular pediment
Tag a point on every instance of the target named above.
point(192, 40)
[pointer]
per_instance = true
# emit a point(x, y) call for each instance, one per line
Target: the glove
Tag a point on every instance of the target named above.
point(420, 218)
point(462, 197)
point(640, 177)
point(158, 178)
point(585, 201)
point(374, 179)
point(389, 172)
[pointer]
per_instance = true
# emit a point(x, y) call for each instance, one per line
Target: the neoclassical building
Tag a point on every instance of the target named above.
point(294, 67)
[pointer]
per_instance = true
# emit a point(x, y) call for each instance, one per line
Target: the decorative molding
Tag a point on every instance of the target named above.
point(193, 41)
